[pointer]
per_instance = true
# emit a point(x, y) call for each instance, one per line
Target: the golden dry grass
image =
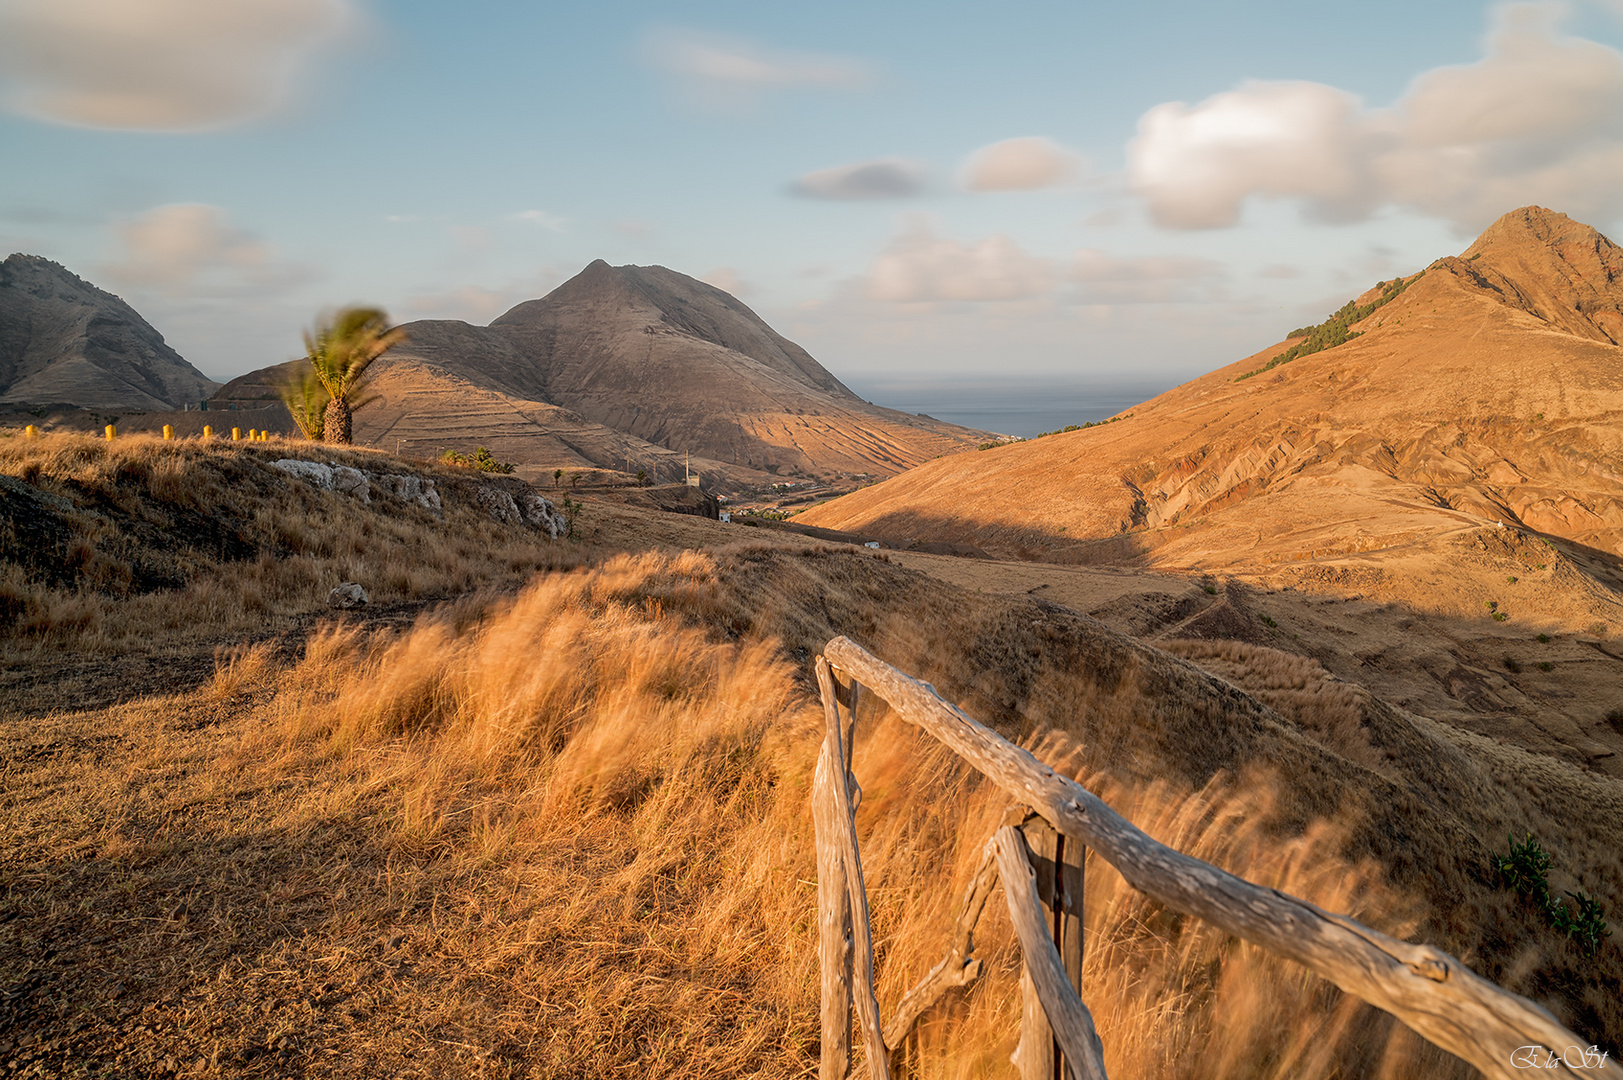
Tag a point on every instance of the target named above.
point(564, 833)
point(111, 546)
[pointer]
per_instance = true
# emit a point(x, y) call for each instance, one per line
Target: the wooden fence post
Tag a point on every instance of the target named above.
point(833, 927)
point(1057, 863)
point(1066, 1018)
point(843, 831)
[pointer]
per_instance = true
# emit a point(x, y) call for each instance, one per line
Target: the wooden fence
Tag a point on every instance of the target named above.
point(1037, 856)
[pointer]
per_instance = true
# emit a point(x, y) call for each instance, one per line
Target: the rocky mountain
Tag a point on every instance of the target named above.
point(1485, 390)
point(64, 341)
point(632, 368)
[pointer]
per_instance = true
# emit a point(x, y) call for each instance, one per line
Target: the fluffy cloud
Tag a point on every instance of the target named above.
point(884, 178)
point(1538, 119)
point(191, 248)
point(1196, 166)
point(158, 65)
point(726, 74)
point(918, 266)
point(1145, 279)
point(1021, 164)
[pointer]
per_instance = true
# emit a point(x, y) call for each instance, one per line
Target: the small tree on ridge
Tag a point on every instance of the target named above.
point(340, 350)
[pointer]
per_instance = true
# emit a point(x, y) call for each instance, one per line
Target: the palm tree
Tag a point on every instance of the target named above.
point(339, 351)
point(306, 400)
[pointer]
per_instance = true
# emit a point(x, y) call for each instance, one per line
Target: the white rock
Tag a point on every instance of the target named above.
point(346, 596)
point(351, 482)
point(408, 488)
point(501, 505)
point(311, 472)
point(543, 515)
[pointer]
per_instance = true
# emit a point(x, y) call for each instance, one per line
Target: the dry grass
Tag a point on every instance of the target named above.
point(564, 833)
point(113, 547)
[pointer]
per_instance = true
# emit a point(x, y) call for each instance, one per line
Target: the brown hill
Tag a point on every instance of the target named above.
point(1487, 389)
point(632, 368)
point(64, 341)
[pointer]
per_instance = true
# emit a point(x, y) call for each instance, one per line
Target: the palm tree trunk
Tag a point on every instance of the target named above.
point(335, 423)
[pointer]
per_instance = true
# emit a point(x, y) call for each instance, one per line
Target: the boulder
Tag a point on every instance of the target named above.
point(501, 506)
point(313, 473)
point(348, 481)
point(407, 488)
point(543, 515)
point(347, 596)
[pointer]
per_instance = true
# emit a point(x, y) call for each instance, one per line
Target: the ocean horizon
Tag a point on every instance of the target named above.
point(1022, 407)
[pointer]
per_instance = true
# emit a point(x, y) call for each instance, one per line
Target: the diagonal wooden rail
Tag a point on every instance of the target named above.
point(1428, 990)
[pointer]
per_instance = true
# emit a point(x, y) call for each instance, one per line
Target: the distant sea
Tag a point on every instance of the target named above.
point(1023, 407)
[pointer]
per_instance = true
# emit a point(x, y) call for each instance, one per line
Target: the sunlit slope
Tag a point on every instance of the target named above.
point(1490, 389)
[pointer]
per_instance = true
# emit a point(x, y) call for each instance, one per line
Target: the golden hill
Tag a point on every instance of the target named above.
point(1487, 390)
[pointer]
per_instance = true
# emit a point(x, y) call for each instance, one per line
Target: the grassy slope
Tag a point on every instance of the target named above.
point(562, 832)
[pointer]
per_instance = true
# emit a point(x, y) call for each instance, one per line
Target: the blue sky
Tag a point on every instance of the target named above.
point(917, 193)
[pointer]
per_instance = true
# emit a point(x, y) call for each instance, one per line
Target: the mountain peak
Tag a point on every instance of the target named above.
point(1536, 227)
point(63, 340)
point(1543, 262)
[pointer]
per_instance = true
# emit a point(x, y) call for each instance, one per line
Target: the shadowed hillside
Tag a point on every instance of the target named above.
point(64, 341)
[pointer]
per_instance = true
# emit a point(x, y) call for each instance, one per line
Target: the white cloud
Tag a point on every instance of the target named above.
point(159, 65)
point(1196, 166)
point(883, 178)
point(543, 219)
point(728, 74)
point(1538, 120)
point(1022, 164)
point(191, 249)
point(1144, 279)
point(918, 266)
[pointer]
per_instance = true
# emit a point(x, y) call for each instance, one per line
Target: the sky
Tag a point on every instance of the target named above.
point(945, 195)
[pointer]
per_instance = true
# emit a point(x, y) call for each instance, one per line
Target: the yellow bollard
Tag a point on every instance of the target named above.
point(168, 431)
point(31, 431)
point(236, 434)
point(208, 432)
point(112, 433)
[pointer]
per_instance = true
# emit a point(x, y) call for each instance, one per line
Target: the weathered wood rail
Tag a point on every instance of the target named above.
point(1040, 868)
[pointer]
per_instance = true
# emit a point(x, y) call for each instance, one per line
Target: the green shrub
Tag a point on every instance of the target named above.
point(1337, 329)
point(1585, 924)
point(1544, 639)
point(482, 460)
point(1545, 665)
point(1513, 666)
point(1525, 870)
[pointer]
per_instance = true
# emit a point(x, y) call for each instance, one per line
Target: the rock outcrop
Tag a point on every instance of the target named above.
point(518, 506)
point(64, 341)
